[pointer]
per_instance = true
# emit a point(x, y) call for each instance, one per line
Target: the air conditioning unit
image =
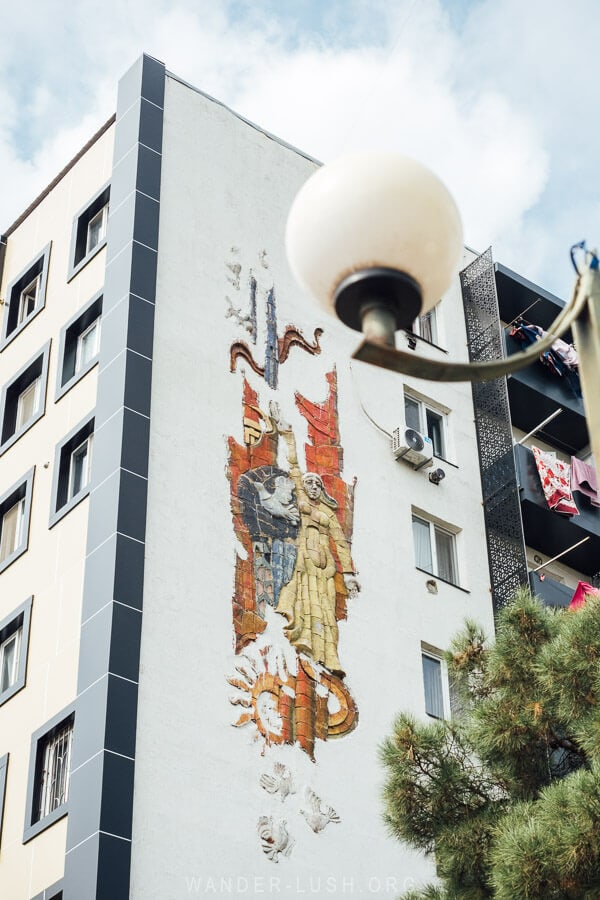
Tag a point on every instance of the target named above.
point(412, 447)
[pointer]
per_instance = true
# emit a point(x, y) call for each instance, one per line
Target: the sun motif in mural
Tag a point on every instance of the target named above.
point(265, 695)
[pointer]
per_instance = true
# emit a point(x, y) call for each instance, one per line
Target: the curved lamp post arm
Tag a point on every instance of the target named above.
point(379, 354)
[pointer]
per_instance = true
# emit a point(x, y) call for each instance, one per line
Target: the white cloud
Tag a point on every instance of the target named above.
point(495, 108)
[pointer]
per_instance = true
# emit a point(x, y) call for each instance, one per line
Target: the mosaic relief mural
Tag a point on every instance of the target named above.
point(293, 516)
point(277, 349)
point(295, 527)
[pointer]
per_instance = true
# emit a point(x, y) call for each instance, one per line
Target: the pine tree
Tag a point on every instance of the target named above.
point(506, 796)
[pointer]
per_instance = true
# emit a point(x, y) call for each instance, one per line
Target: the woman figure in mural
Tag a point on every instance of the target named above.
point(308, 600)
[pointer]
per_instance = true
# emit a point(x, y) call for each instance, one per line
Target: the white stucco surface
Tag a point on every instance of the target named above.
point(226, 190)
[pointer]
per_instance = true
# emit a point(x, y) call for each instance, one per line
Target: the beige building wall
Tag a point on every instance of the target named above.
point(52, 567)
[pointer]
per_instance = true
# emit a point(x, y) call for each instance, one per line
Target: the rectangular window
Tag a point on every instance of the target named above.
point(53, 774)
point(72, 469)
point(3, 769)
point(49, 768)
point(89, 232)
point(23, 399)
point(79, 470)
point(96, 230)
point(435, 549)
point(87, 345)
point(14, 640)
point(426, 326)
point(79, 345)
point(28, 402)
point(15, 506)
point(9, 659)
point(426, 420)
point(11, 529)
point(28, 299)
point(25, 297)
point(433, 686)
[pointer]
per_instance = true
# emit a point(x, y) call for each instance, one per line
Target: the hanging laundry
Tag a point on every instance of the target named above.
point(561, 359)
point(555, 476)
point(584, 478)
point(566, 352)
point(526, 334)
point(582, 592)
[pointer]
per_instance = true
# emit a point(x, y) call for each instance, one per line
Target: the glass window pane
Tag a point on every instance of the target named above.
point(446, 562)
point(28, 403)
point(428, 326)
point(87, 345)
point(412, 415)
point(28, 299)
point(96, 229)
point(79, 469)
point(432, 681)
point(8, 658)
point(422, 542)
point(10, 536)
point(435, 430)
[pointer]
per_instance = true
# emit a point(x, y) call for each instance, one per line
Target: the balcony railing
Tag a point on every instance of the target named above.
point(552, 533)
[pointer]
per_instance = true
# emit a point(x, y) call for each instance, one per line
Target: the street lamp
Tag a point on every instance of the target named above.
point(376, 238)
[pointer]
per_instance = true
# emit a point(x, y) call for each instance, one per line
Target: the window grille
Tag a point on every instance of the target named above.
point(54, 775)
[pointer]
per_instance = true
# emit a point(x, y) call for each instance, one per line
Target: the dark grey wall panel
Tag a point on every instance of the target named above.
point(98, 854)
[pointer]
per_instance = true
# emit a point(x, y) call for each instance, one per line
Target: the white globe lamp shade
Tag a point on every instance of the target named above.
point(374, 227)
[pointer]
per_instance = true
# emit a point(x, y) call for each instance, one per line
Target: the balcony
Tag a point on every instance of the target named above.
point(550, 592)
point(535, 393)
point(551, 533)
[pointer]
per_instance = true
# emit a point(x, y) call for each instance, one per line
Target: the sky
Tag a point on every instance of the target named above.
point(498, 97)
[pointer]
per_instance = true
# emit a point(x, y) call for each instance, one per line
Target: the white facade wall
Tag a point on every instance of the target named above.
point(226, 189)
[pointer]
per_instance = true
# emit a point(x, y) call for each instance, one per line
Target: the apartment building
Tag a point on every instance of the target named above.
point(224, 567)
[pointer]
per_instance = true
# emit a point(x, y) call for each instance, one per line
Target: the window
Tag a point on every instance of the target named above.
point(79, 345)
point(25, 296)
point(435, 549)
point(96, 230)
point(426, 326)
point(72, 469)
point(79, 468)
point(427, 421)
point(14, 520)
point(28, 402)
point(14, 639)
point(432, 684)
point(3, 770)
point(89, 230)
point(9, 659)
point(49, 769)
point(23, 399)
point(11, 533)
point(53, 772)
point(87, 345)
point(28, 299)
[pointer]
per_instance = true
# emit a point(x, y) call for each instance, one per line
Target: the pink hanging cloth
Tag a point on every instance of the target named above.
point(584, 478)
point(555, 477)
point(582, 591)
